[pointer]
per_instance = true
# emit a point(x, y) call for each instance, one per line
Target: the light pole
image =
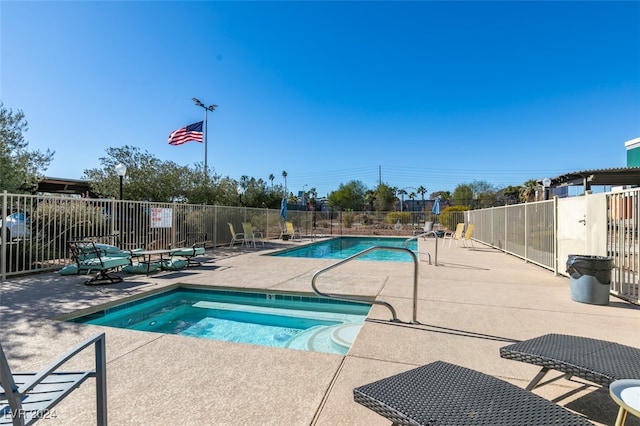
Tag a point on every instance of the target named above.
point(304, 195)
point(240, 192)
point(211, 107)
point(121, 171)
point(546, 183)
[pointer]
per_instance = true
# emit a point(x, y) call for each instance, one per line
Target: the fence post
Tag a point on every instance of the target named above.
point(3, 238)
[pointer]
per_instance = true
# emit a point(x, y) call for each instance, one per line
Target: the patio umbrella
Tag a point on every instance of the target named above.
point(436, 206)
point(283, 208)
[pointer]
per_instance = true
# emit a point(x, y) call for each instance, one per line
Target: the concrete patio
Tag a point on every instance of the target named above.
point(474, 302)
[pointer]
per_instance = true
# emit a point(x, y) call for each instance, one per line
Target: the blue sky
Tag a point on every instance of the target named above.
point(427, 93)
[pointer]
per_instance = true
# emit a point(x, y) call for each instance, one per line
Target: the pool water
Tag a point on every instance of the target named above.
point(343, 247)
point(267, 319)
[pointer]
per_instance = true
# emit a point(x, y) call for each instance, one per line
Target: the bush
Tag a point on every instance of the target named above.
point(347, 219)
point(451, 214)
point(395, 217)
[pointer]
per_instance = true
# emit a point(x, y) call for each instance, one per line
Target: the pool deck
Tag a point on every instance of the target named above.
point(474, 302)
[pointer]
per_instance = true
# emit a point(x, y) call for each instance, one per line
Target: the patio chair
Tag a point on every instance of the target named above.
point(197, 248)
point(105, 259)
point(598, 361)
point(250, 234)
point(446, 394)
point(467, 235)
point(292, 231)
point(428, 227)
point(236, 236)
point(455, 235)
point(26, 398)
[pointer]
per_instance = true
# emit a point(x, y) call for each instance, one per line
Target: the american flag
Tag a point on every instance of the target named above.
point(192, 132)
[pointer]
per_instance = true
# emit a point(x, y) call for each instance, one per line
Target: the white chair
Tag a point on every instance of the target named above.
point(428, 227)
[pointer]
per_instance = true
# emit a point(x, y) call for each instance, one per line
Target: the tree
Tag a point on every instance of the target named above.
point(528, 191)
point(384, 197)
point(511, 194)
point(463, 195)
point(284, 175)
point(20, 169)
point(422, 190)
point(402, 193)
point(348, 197)
point(484, 194)
point(147, 178)
point(271, 178)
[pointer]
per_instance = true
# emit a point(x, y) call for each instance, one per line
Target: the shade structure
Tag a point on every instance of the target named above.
point(283, 208)
point(436, 206)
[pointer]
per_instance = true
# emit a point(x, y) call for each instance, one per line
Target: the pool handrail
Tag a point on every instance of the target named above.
point(424, 234)
point(363, 300)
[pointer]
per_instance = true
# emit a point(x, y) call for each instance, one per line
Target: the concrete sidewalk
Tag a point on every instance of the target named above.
point(474, 302)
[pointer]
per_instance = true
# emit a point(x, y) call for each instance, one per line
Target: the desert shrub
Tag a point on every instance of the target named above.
point(347, 219)
point(395, 217)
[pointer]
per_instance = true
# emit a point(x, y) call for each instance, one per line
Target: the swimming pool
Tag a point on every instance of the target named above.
point(268, 319)
point(343, 247)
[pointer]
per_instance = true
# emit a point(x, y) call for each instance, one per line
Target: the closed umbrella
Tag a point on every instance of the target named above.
point(283, 208)
point(436, 206)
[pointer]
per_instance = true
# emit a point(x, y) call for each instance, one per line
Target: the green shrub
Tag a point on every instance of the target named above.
point(395, 217)
point(450, 214)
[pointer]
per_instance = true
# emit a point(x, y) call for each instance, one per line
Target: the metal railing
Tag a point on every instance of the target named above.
point(425, 234)
point(365, 300)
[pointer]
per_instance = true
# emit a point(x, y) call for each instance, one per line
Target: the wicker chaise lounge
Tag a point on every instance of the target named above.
point(445, 394)
point(598, 361)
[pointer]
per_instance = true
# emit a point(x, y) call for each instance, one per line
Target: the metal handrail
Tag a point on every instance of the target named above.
point(424, 234)
point(376, 302)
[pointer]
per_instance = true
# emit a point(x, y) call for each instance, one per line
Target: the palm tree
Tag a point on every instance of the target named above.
point(422, 190)
point(528, 191)
point(402, 193)
point(284, 175)
point(271, 178)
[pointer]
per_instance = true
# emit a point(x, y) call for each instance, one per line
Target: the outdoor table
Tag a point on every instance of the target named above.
point(149, 256)
point(626, 393)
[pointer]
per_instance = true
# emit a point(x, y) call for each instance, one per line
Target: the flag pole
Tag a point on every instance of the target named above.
point(211, 107)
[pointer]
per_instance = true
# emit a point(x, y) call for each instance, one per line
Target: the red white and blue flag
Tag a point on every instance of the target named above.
point(192, 132)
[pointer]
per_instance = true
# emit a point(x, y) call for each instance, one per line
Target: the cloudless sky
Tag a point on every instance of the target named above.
point(427, 93)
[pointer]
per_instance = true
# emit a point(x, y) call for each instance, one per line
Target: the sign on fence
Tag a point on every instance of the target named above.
point(161, 217)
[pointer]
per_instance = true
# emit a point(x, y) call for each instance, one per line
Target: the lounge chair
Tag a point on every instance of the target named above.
point(197, 248)
point(598, 361)
point(446, 394)
point(236, 236)
point(455, 235)
point(250, 234)
point(27, 397)
point(91, 257)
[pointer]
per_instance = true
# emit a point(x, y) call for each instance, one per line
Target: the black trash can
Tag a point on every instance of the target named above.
point(590, 278)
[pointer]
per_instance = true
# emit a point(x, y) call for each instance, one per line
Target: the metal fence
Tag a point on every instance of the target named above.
point(623, 242)
point(35, 229)
point(523, 230)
